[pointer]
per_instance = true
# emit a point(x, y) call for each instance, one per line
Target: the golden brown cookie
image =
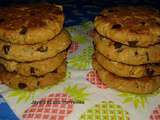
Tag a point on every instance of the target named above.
point(125, 70)
point(133, 26)
point(37, 68)
point(30, 24)
point(14, 80)
point(40, 51)
point(133, 85)
point(124, 54)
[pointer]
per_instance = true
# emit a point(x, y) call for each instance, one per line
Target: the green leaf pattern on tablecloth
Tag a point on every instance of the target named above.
point(87, 26)
point(78, 94)
point(83, 60)
point(106, 110)
point(24, 96)
point(79, 38)
point(137, 99)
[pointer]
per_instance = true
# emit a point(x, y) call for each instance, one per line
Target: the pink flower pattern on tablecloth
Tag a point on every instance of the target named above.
point(155, 114)
point(74, 46)
point(50, 110)
point(93, 78)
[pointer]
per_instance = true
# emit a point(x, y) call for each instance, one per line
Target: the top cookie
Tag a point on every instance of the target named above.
point(133, 26)
point(29, 24)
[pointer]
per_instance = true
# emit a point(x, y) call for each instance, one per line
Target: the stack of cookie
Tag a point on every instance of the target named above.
point(33, 46)
point(127, 49)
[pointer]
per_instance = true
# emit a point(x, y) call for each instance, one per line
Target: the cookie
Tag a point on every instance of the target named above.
point(40, 51)
point(133, 26)
point(124, 54)
point(133, 85)
point(37, 68)
point(125, 70)
point(14, 80)
point(30, 24)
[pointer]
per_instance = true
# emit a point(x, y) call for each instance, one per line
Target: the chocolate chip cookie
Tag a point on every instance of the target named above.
point(125, 70)
point(40, 51)
point(133, 85)
point(133, 26)
point(14, 80)
point(125, 54)
point(37, 68)
point(30, 24)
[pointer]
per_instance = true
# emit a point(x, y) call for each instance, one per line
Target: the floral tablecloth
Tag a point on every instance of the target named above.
point(81, 95)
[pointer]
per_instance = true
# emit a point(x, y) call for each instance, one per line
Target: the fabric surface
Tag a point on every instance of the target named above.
point(82, 96)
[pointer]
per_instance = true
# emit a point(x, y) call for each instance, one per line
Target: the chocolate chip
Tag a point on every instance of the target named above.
point(6, 48)
point(32, 14)
point(157, 23)
point(117, 45)
point(94, 45)
point(132, 43)
point(137, 85)
point(38, 83)
point(23, 30)
point(2, 67)
point(2, 20)
point(149, 72)
point(42, 49)
point(22, 85)
point(136, 53)
point(116, 26)
point(156, 64)
point(110, 10)
point(100, 15)
point(32, 70)
point(147, 56)
point(55, 71)
point(143, 23)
